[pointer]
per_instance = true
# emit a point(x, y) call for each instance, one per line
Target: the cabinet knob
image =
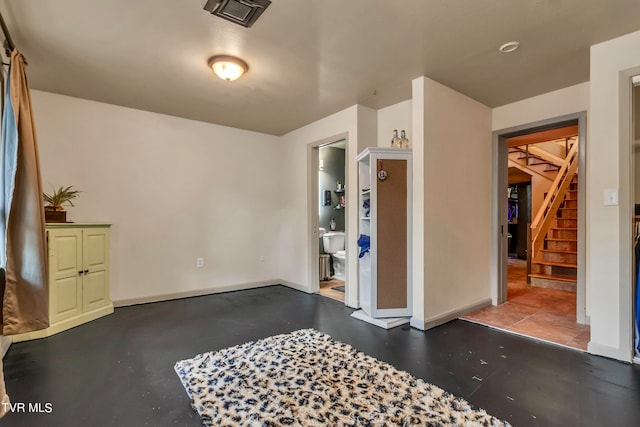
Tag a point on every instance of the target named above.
point(86, 272)
point(80, 272)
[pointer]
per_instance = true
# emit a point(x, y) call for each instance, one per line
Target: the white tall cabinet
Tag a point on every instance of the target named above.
point(78, 276)
point(385, 205)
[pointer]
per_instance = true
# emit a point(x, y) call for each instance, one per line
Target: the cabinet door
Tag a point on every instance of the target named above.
point(95, 255)
point(65, 274)
point(391, 246)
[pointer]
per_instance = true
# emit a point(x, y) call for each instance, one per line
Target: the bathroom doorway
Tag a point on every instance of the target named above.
point(332, 219)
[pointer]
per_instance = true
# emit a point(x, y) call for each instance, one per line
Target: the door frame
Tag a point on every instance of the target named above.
point(626, 191)
point(499, 213)
point(313, 206)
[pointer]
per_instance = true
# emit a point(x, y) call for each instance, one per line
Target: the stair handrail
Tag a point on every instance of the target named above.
point(542, 221)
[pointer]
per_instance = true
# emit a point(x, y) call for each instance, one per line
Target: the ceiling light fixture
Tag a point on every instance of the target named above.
point(227, 67)
point(509, 47)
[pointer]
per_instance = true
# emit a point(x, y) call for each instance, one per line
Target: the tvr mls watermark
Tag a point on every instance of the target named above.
point(28, 407)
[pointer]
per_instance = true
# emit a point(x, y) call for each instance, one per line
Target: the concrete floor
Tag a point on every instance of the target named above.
point(118, 370)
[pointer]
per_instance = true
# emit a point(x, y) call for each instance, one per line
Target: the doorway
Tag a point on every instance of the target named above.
point(332, 219)
point(635, 191)
point(539, 232)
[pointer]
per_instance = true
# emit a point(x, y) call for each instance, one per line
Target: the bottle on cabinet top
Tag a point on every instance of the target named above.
point(396, 142)
point(404, 141)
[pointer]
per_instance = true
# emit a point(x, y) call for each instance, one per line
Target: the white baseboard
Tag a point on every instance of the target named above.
point(384, 323)
point(195, 293)
point(417, 323)
point(352, 303)
point(443, 318)
point(209, 291)
point(611, 352)
point(295, 286)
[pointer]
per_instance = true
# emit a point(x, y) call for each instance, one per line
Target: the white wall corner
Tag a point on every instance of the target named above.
point(296, 286)
point(418, 323)
point(443, 318)
point(417, 214)
point(449, 233)
point(352, 303)
point(609, 244)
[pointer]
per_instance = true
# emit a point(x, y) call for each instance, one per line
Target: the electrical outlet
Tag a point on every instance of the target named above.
point(199, 262)
point(261, 258)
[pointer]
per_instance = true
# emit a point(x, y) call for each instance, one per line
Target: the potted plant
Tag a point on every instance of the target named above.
point(53, 210)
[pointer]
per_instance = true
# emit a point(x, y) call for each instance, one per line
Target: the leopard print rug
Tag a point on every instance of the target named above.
point(306, 378)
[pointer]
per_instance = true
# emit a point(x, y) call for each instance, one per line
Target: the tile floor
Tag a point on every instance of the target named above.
point(326, 289)
point(546, 314)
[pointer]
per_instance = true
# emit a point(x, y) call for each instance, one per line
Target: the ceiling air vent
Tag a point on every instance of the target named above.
point(243, 12)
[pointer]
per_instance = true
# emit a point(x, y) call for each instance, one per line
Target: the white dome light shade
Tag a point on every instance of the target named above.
point(228, 68)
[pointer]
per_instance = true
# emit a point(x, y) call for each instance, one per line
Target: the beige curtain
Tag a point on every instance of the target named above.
point(23, 285)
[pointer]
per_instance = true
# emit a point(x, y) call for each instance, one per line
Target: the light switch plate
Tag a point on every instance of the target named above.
point(611, 197)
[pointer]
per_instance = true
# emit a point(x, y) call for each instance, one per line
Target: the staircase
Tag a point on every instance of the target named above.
point(554, 229)
point(556, 264)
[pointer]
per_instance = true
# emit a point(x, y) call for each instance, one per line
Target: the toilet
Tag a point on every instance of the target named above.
point(333, 243)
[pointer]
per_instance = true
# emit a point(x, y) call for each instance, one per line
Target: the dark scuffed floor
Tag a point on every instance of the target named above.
point(118, 370)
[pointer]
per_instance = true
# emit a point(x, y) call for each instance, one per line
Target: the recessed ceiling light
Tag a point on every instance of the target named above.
point(509, 47)
point(228, 67)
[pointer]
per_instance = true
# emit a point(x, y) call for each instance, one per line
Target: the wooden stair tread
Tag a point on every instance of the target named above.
point(564, 228)
point(559, 251)
point(556, 263)
point(567, 209)
point(538, 161)
point(557, 239)
point(553, 277)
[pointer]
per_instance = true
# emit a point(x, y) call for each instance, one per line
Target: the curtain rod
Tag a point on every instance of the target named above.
point(8, 41)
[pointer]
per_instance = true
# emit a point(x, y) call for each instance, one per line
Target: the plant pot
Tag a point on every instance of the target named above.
point(55, 216)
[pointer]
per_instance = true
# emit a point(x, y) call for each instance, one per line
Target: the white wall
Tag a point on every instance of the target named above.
point(417, 215)
point(358, 124)
point(397, 116)
point(609, 258)
point(174, 190)
point(457, 200)
point(558, 103)
point(608, 269)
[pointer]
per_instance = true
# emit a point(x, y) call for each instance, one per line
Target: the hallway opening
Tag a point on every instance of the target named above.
point(540, 289)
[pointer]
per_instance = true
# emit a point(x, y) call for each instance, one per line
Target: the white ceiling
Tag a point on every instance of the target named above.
point(310, 58)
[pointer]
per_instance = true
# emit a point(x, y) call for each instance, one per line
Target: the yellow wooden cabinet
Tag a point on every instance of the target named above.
point(78, 276)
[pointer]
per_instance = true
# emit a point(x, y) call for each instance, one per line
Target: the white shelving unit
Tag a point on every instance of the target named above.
point(385, 271)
